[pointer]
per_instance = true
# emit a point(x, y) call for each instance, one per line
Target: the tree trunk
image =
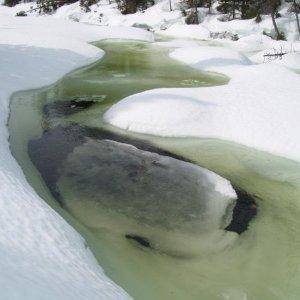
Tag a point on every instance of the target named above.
point(275, 25)
point(243, 9)
point(170, 3)
point(297, 17)
point(233, 9)
point(196, 11)
point(209, 7)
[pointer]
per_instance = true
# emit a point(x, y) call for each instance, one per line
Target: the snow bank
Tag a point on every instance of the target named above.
point(244, 28)
point(255, 42)
point(259, 107)
point(187, 31)
point(290, 60)
point(161, 20)
point(42, 257)
point(240, 27)
point(48, 32)
point(108, 14)
point(171, 22)
point(153, 112)
point(209, 58)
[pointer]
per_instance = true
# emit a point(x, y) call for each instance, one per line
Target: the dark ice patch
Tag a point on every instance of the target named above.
point(139, 239)
point(244, 211)
point(65, 108)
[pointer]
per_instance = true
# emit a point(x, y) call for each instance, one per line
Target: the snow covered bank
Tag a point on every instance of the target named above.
point(171, 22)
point(187, 31)
point(290, 60)
point(247, 36)
point(259, 107)
point(106, 13)
point(42, 257)
point(210, 58)
point(250, 35)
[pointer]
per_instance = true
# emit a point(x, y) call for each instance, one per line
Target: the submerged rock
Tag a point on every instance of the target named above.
point(64, 108)
point(59, 109)
point(139, 239)
point(50, 150)
point(143, 26)
point(244, 211)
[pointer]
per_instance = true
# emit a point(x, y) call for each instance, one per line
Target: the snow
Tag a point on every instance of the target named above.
point(172, 23)
point(209, 58)
point(108, 14)
point(73, 37)
point(188, 31)
point(259, 107)
point(160, 19)
point(131, 113)
point(42, 257)
point(290, 60)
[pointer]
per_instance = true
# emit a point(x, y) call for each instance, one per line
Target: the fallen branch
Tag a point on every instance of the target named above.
point(277, 54)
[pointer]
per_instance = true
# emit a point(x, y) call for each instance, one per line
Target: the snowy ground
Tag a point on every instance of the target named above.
point(167, 22)
point(43, 257)
point(162, 20)
point(171, 23)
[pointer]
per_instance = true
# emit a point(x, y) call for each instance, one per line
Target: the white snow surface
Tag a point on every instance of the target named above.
point(187, 31)
point(41, 256)
point(106, 13)
point(172, 23)
point(209, 58)
point(259, 107)
point(290, 60)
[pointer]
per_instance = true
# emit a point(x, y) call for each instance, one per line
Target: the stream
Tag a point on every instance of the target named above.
point(261, 263)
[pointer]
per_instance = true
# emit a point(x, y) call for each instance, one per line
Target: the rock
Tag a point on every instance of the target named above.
point(146, 187)
point(224, 35)
point(139, 239)
point(143, 26)
point(50, 150)
point(150, 196)
point(59, 109)
point(244, 211)
point(163, 27)
point(21, 13)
